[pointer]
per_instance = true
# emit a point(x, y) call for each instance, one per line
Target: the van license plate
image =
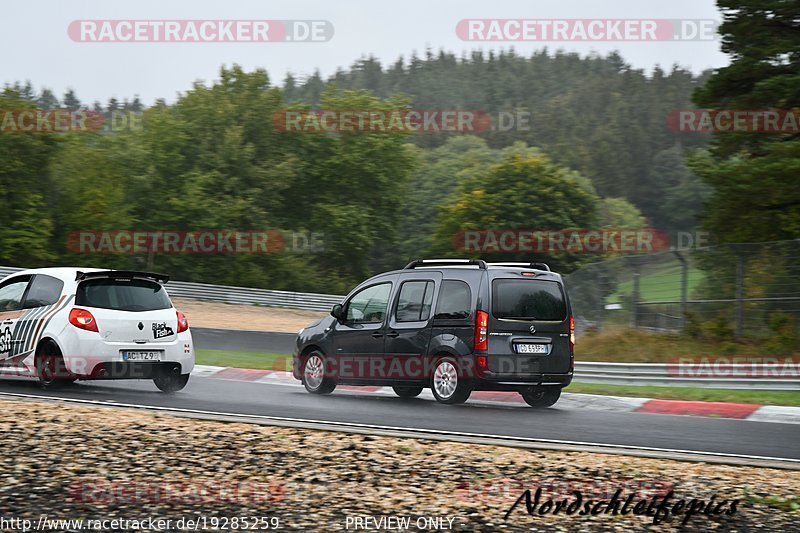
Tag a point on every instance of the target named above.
point(532, 348)
point(139, 355)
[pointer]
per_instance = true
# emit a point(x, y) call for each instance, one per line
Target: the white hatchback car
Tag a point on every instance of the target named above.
point(63, 324)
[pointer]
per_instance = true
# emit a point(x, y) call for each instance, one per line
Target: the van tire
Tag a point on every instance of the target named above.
point(407, 392)
point(446, 385)
point(314, 379)
point(541, 397)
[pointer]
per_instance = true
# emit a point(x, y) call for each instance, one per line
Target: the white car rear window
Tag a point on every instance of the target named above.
point(122, 295)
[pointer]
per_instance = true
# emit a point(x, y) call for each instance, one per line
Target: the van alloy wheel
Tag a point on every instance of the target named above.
point(446, 385)
point(445, 379)
point(313, 371)
point(314, 378)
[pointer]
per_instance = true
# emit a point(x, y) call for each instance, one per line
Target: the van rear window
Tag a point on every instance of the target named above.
point(122, 295)
point(517, 299)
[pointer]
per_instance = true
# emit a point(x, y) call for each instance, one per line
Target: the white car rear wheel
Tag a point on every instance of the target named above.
point(50, 367)
point(168, 381)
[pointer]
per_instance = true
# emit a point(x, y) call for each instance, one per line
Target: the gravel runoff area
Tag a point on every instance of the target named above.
point(64, 461)
point(220, 315)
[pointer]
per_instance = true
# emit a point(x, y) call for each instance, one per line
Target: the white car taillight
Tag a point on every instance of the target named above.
point(82, 319)
point(183, 323)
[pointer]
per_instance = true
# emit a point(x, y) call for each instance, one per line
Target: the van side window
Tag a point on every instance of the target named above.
point(455, 301)
point(414, 303)
point(368, 306)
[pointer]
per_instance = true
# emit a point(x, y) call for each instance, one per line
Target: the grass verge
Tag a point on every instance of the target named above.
point(624, 345)
point(788, 398)
point(661, 285)
point(258, 360)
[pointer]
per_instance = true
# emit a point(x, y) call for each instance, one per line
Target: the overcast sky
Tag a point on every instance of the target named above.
point(37, 47)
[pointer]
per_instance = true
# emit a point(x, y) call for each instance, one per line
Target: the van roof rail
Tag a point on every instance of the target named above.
point(445, 262)
point(536, 265)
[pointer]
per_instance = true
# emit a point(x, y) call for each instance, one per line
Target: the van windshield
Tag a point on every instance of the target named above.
point(517, 299)
point(122, 295)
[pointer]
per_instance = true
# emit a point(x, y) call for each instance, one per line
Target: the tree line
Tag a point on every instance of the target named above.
point(597, 154)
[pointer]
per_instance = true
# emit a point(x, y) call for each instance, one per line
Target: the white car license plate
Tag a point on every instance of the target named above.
point(142, 355)
point(532, 348)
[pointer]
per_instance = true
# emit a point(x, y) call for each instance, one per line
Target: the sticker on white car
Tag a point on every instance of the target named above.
point(5, 342)
point(31, 326)
point(161, 330)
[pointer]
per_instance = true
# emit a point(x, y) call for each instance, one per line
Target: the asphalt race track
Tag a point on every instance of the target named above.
point(685, 433)
point(289, 399)
point(244, 341)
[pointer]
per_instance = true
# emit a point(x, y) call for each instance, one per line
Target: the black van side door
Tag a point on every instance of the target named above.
point(359, 337)
point(409, 328)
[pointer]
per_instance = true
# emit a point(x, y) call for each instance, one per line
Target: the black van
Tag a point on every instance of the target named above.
point(451, 325)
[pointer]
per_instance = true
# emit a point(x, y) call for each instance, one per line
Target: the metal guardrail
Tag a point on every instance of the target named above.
point(5, 271)
point(241, 295)
point(639, 374)
point(672, 375)
point(245, 295)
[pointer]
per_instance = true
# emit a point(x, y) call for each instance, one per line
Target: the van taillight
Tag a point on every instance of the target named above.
point(183, 323)
point(481, 331)
point(571, 333)
point(83, 319)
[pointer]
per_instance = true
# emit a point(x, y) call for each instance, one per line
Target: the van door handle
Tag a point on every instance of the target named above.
point(393, 334)
point(377, 335)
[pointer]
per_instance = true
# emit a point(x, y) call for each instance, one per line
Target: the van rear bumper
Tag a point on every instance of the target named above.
point(505, 382)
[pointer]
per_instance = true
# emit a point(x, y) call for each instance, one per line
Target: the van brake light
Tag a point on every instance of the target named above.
point(481, 331)
point(572, 333)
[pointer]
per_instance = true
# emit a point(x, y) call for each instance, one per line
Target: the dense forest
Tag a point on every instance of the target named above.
point(597, 154)
point(593, 114)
